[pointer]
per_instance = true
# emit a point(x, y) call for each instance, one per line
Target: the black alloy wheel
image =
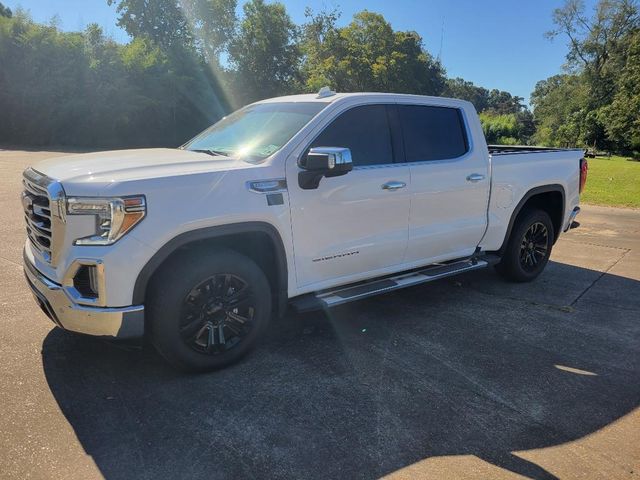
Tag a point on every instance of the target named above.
point(207, 309)
point(528, 247)
point(217, 314)
point(534, 246)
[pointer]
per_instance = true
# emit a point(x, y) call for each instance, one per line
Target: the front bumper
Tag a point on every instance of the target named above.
point(111, 322)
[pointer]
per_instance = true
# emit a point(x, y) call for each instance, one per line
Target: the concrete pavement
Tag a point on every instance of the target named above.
point(469, 377)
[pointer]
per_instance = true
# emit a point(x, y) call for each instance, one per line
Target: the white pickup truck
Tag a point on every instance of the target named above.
point(305, 200)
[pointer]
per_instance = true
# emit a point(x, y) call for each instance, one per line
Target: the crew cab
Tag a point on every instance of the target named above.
point(307, 201)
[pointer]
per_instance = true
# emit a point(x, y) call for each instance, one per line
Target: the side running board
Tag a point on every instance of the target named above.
point(349, 293)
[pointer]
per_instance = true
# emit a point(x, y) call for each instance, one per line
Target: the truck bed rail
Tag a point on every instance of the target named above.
point(513, 149)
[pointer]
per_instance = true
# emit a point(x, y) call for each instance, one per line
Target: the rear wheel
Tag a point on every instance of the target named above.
point(528, 248)
point(208, 310)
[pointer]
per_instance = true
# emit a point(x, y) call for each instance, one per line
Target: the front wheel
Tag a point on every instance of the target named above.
point(207, 310)
point(528, 248)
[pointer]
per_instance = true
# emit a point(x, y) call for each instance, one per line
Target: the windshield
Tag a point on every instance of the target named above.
point(256, 131)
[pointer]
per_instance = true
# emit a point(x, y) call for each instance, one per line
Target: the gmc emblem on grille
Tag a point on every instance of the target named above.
point(27, 202)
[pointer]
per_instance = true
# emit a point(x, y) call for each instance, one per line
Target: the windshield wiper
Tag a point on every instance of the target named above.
point(215, 153)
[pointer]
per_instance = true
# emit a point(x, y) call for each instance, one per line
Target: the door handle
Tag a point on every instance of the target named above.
point(475, 177)
point(393, 185)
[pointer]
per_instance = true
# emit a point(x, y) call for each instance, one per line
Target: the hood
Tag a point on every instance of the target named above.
point(124, 165)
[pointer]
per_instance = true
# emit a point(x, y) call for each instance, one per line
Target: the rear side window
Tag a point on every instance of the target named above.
point(364, 130)
point(432, 133)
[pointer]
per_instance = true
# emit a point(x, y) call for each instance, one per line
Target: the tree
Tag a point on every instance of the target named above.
point(5, 11)
point(593, 41)
point(42, 69)
point(167, 83)
point(264, 53)
point(84, 89)
point(507, 128)
point(213, 23)
point(498, 102)
point(162, 21)
point(465, 90)
point(500, 129)
point(367, 55)
point(596, 57)
point(317, 36)
point(559, 110)
point(622, 116)
point(206, 25)
point(412, 68)
point(503, 103)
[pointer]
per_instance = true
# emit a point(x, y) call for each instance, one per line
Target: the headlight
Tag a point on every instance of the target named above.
point(114, 216)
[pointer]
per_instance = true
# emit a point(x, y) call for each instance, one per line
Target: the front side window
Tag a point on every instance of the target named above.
point(432, 133)
point(256, 131)
point(365, 131)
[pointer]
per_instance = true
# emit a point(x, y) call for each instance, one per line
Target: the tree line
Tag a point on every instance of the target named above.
point(595, 103)
point(189, 62)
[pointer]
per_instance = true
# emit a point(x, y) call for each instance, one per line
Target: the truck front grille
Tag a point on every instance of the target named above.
point(41, 212)
point(37, 213)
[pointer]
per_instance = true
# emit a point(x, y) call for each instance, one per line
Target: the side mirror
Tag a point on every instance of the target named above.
point(323, 162)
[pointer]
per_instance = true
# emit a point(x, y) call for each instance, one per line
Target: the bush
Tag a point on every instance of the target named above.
point(84, 89)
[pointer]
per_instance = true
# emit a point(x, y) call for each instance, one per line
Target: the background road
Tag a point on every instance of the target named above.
point(469, 377)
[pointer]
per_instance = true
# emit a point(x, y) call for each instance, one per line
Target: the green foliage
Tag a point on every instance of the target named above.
point(161, 21)
point(560, 111)
point(622, 117)
point(501, 129)
point(5, 11)
point(204, 25)
point(84, 89)
point(264, 53)
point(367, 55)
point(461, 88)
point(496, 101)
point(505, 120)
point(595, 104)
point(191, 61)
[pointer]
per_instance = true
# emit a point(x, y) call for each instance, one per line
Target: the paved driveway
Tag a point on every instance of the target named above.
point(469, 377)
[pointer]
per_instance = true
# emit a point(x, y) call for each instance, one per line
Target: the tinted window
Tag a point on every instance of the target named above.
point(365, 130)
point(432, 133)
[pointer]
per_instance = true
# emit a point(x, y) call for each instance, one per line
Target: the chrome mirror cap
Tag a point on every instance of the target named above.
point(322, 162)
point(337, 156)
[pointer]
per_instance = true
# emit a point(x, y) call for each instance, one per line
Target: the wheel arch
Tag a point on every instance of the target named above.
point(550, 198)
point(260, 241)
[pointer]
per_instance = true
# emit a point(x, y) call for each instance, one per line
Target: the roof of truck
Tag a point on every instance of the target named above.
point(401, 97)
point(308, 97)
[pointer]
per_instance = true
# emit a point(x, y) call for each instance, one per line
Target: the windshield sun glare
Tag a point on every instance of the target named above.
point(256, 131)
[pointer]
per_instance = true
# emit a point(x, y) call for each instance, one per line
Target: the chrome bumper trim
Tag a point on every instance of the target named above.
point(112, 322)
point(572, 217)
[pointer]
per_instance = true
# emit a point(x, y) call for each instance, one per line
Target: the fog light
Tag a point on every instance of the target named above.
point(86, 281)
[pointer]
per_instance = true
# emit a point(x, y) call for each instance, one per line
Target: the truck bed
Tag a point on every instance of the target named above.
point(517, 169)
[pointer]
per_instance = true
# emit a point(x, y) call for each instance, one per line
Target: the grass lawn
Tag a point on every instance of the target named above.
point(613, 181)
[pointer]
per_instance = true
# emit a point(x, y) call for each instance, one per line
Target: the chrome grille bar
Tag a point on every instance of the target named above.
point(44, 221)
point(33, 187)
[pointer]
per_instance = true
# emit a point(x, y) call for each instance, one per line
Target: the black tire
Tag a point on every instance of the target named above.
point(528, 248)
point(195, 304)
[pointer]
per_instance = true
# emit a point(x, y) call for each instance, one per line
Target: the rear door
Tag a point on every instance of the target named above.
point(353, 224)
point(449, 183)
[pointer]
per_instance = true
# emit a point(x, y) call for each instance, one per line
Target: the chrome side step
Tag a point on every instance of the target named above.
point(349, 293)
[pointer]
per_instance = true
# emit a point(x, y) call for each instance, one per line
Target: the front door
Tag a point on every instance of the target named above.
point(352, 224)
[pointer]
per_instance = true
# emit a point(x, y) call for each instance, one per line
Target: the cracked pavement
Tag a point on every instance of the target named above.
point(468, 377)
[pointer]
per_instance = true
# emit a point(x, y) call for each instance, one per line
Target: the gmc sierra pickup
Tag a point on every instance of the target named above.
point(306, 200)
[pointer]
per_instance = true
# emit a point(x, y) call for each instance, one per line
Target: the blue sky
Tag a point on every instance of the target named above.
point(493, 43)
